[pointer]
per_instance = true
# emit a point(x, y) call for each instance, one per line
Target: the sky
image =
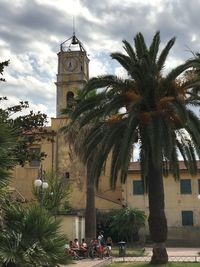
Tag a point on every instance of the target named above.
point(31, 32)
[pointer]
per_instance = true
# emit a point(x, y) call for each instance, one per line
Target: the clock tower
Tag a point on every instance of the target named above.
point(72, 72)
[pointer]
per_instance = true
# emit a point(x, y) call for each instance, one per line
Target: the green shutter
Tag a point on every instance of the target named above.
point(138, 188)
point(185, 186)
point(187, 218)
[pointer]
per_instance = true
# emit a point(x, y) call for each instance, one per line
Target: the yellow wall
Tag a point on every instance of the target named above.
point(72, 226)
point(61, 158)
point(175, 203)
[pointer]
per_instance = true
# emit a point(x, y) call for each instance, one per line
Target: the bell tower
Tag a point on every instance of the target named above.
point(73, 71)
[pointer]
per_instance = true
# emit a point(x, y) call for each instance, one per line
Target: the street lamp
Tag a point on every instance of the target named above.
point(40, 182)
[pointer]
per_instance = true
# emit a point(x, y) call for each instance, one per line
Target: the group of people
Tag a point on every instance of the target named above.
point(105, 244)
point(76, 249)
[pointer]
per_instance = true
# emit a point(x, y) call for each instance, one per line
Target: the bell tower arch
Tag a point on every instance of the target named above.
point(73, 72)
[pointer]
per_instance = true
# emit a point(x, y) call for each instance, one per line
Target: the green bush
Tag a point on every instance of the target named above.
point(121, 224)
point(30, 238)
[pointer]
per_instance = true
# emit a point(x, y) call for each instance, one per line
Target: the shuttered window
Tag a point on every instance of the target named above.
point(138, 188)
point(187, 218)
point(185, 186)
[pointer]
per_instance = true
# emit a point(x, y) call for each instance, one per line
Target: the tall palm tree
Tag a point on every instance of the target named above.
point(75, 137)
point(156, 114)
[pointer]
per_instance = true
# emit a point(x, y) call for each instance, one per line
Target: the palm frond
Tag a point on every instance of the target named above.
point(162, 58)
point(153, 49)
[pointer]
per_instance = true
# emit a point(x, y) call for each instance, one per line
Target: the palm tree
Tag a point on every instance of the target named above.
point(147, 108)
point(8, 138)
point(75, 137)
point(30, 238)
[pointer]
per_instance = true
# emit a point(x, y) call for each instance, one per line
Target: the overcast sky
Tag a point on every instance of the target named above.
point(31, 32)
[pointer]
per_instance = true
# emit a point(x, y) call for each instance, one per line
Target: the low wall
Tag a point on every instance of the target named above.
point(184, 236)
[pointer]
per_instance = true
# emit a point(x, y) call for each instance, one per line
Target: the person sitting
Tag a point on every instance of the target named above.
point(109, 245)
point(83, 245)
point(94, 242)
point(70, 251)
point(76, 244)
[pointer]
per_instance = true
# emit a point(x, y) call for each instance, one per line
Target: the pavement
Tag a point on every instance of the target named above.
point(88, 263)
point(192, 253)
point(184, 252)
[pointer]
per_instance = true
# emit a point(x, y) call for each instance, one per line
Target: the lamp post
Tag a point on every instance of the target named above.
point(40, 183)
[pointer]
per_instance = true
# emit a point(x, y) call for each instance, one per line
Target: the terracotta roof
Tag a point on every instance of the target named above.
point(135, 166)
point(41, 130)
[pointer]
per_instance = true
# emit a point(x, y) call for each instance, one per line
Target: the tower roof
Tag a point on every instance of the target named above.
point(72, 44)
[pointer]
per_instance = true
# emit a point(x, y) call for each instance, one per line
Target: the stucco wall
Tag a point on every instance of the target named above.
point(175, 203)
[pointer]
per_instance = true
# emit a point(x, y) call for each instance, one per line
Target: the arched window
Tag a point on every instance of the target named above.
point(69, 98)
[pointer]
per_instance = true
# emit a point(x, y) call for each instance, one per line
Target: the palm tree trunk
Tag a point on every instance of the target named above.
point(157, 219)
point(90, 212)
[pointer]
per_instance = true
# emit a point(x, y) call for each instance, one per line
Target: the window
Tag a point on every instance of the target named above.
point(66, 175)
point(70, 98)
point(187, 218)
point(34, 155)
point(138, 188)
point(185, 186)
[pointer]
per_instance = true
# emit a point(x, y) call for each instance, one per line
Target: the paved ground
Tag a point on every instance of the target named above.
point(87, 263)
point(172, 252)
point(179, 251)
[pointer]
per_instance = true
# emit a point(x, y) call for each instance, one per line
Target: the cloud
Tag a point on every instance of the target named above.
point(31, 33)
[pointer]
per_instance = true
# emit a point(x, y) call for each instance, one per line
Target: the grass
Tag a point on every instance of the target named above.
point(171, 264)
point(130, 252)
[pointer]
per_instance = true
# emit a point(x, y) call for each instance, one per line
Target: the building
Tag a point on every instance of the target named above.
point(182, 204)
point(73, 73)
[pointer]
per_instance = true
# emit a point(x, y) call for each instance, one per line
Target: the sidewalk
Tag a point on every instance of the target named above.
point(172, 252)
point(178, 251)
point(89, 263)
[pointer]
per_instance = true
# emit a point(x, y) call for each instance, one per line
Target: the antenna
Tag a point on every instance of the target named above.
point(74, 39)
point(73, 26)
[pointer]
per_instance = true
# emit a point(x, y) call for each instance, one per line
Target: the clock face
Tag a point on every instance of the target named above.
point(70, 64)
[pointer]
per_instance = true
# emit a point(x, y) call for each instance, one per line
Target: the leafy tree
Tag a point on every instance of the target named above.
point(147, 108)
point(30, 238)
point(121, 224)
point(126, 223)
point(8, 139)
point(27, 128)
point(7, 147)
point(2, 66)
point(55, 197)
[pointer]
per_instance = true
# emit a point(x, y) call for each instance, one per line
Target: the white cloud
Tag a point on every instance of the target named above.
point(172, 63)
point(31, 32)
point(98, 67)
point(121, 72)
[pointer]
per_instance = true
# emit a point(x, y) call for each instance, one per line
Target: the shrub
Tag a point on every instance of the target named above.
point(30, 238)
